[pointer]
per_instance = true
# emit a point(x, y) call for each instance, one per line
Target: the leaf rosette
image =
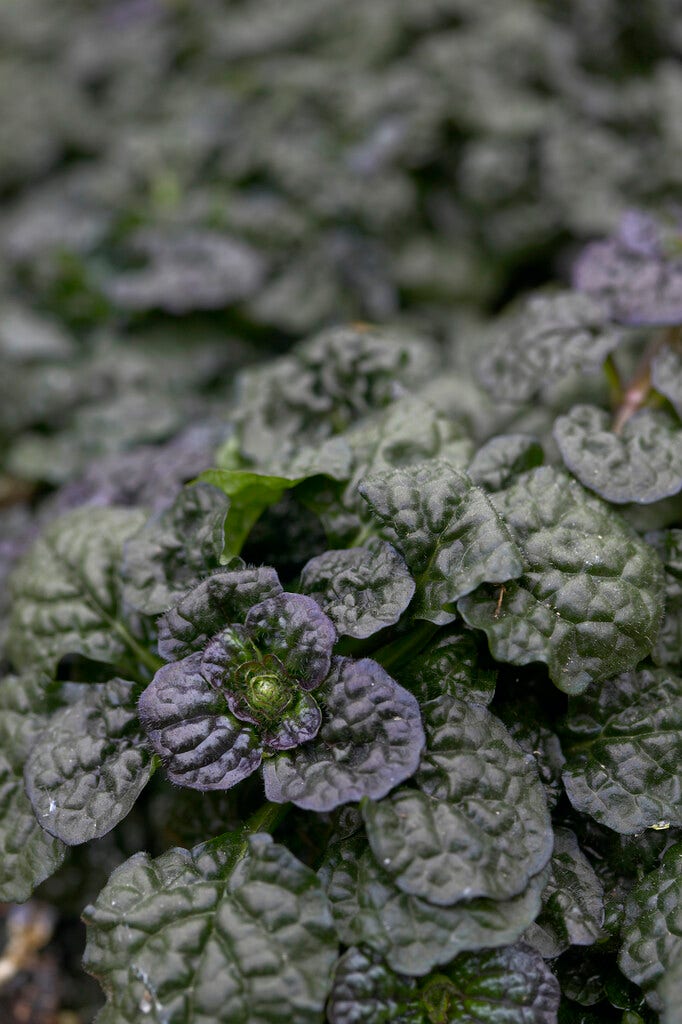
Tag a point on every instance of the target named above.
point(268, 686)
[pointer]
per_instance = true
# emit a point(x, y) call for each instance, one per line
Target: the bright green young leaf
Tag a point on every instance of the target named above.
point(624, 758)
point(89, 765)
point(28, 854)
point(213, 934)
point(447, 530)
point(572, 904)
point(450, 664)
point(67, 590)
point(501, 459)
point(250, 493)
point(652, 947)
point(668, 647)
point(643, 463)
point(362, 590)
point(412, 934)
point(175, 548)
point(480, 826)
point(590, 602)
point(543, 341)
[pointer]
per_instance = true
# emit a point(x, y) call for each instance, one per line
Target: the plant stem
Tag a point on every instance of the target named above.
point(143, 655)
point(638, 390)
point(406, 646)
point(265, 819)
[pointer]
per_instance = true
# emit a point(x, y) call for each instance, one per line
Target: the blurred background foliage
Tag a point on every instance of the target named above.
point(187, 188)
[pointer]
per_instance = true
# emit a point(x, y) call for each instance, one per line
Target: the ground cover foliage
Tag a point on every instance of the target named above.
point(341, 506)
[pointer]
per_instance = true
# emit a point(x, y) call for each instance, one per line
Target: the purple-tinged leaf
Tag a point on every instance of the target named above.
point(190, 727)
point(370, 741)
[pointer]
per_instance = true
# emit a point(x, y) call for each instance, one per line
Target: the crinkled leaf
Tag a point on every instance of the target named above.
point(175, 548)
point(643, 463)
point(450, 664)
point(224, 597)
point(411, 934)
point(666, 374)
point(652, 938)
point(408, 432)
point(624, 766)
point(668, 647)
point(67, 592)
point(510, 985)
point(501, 459)
point(325, 385)
point(189, 725)
point(89, 765)
point(28, 854)
point(367, 991)
point(370, 741)
point(572, 903)
point(209, 935)
point(548, 337)
point(636, 271)
point(590, 602)
point(447, 530)
point(294, 629)
point(362, 590)
point(479, 828)
point(502, 986)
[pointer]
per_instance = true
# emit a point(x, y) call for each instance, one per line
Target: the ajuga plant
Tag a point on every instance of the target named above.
point(379, 718)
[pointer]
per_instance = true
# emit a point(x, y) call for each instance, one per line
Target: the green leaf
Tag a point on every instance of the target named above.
point(543, 341)
point(28, 855)
point(362, 590)
point(526, 717)
point(324, 385)
point(502, 986)
point(572, 904)
point(642, 463)
point(213, 934)
point(652, 946)
point(367, 991)
point(250, 493)
point(449, 665)
point(370, 741)
point(496, 464)
point(479, 828)
point(623, 768)
point(590, 602)
point(448, 532)
point(412, 934)
point(668, 647)
point(174, 549)
point(509, 986)
point(220, 599)
point(408, 432)
point(89, 765)
point(67, 592)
